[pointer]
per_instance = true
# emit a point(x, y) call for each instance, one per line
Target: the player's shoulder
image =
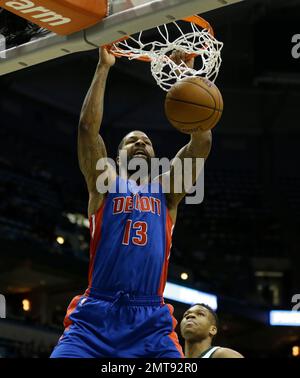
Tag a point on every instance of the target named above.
point(226, 353)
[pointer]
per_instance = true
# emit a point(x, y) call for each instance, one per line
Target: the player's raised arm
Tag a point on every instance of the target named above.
point(91, 147)
point(194, 106)
point(198, 147)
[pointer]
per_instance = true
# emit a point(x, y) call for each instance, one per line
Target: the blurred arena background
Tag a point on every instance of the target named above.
point(241, 244)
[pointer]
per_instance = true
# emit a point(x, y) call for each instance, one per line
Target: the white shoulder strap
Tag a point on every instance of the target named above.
point(210, 352)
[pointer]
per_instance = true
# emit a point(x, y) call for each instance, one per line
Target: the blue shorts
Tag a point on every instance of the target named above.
point(118, 326)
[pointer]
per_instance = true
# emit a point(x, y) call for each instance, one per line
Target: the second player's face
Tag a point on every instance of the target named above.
point(196, 324)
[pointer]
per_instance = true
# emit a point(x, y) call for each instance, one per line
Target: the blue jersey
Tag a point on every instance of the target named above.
point(130, 240)
point(122, 313)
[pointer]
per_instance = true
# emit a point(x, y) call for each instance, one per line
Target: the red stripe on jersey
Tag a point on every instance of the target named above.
point(95, 231)
point(70, 310)
point(173, 335)
point(164, 272)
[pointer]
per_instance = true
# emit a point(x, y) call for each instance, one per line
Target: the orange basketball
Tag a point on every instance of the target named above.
point(194, 104)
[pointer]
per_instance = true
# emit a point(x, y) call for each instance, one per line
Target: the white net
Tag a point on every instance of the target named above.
point(194, 42)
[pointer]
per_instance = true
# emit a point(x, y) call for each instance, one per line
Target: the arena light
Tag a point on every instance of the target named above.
point(78, 219)
point(184, 276)
point(26, 305)
point(296, 351)
point(189, 296)
point(60, 240)
point(284, 318)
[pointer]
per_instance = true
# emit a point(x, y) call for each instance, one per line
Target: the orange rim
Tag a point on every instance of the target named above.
point(197, 20)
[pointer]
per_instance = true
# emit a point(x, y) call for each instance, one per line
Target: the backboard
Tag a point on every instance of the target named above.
point(124, 17)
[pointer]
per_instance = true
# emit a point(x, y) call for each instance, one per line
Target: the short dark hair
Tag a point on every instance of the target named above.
point(123, 139)
point(211, 311)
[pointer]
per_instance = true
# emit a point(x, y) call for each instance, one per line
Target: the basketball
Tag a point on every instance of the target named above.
point(194, 104)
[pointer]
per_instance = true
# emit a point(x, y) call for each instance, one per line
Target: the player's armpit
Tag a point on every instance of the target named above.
point(226, 353)
point(198, 147)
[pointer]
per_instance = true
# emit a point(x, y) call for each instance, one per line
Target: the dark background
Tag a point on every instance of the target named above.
point(242, 243)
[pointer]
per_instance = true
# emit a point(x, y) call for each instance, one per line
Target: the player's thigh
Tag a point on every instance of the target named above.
point(72, 346)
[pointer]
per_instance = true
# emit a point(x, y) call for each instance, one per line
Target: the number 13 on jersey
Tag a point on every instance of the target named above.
point(137, 232)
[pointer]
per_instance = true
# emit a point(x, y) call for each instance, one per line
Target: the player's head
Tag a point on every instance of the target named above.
point(199, 322)
point(137, 145)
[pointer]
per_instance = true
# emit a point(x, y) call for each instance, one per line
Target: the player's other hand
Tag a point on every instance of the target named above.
point(179, 56)
point(106, 58)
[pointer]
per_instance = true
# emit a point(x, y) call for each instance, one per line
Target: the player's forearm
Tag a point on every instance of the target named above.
point(200, 144)
point(92, 109)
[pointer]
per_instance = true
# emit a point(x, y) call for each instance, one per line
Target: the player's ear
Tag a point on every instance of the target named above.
point(213, 331)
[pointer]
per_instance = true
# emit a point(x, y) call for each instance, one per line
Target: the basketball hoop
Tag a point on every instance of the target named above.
point(195, 37)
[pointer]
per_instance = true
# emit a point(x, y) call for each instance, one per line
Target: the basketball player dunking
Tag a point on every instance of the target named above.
point(122, 313)
point(198, 328)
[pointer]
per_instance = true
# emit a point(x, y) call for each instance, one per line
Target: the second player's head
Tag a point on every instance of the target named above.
point(137, 145)
point(199, 322)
